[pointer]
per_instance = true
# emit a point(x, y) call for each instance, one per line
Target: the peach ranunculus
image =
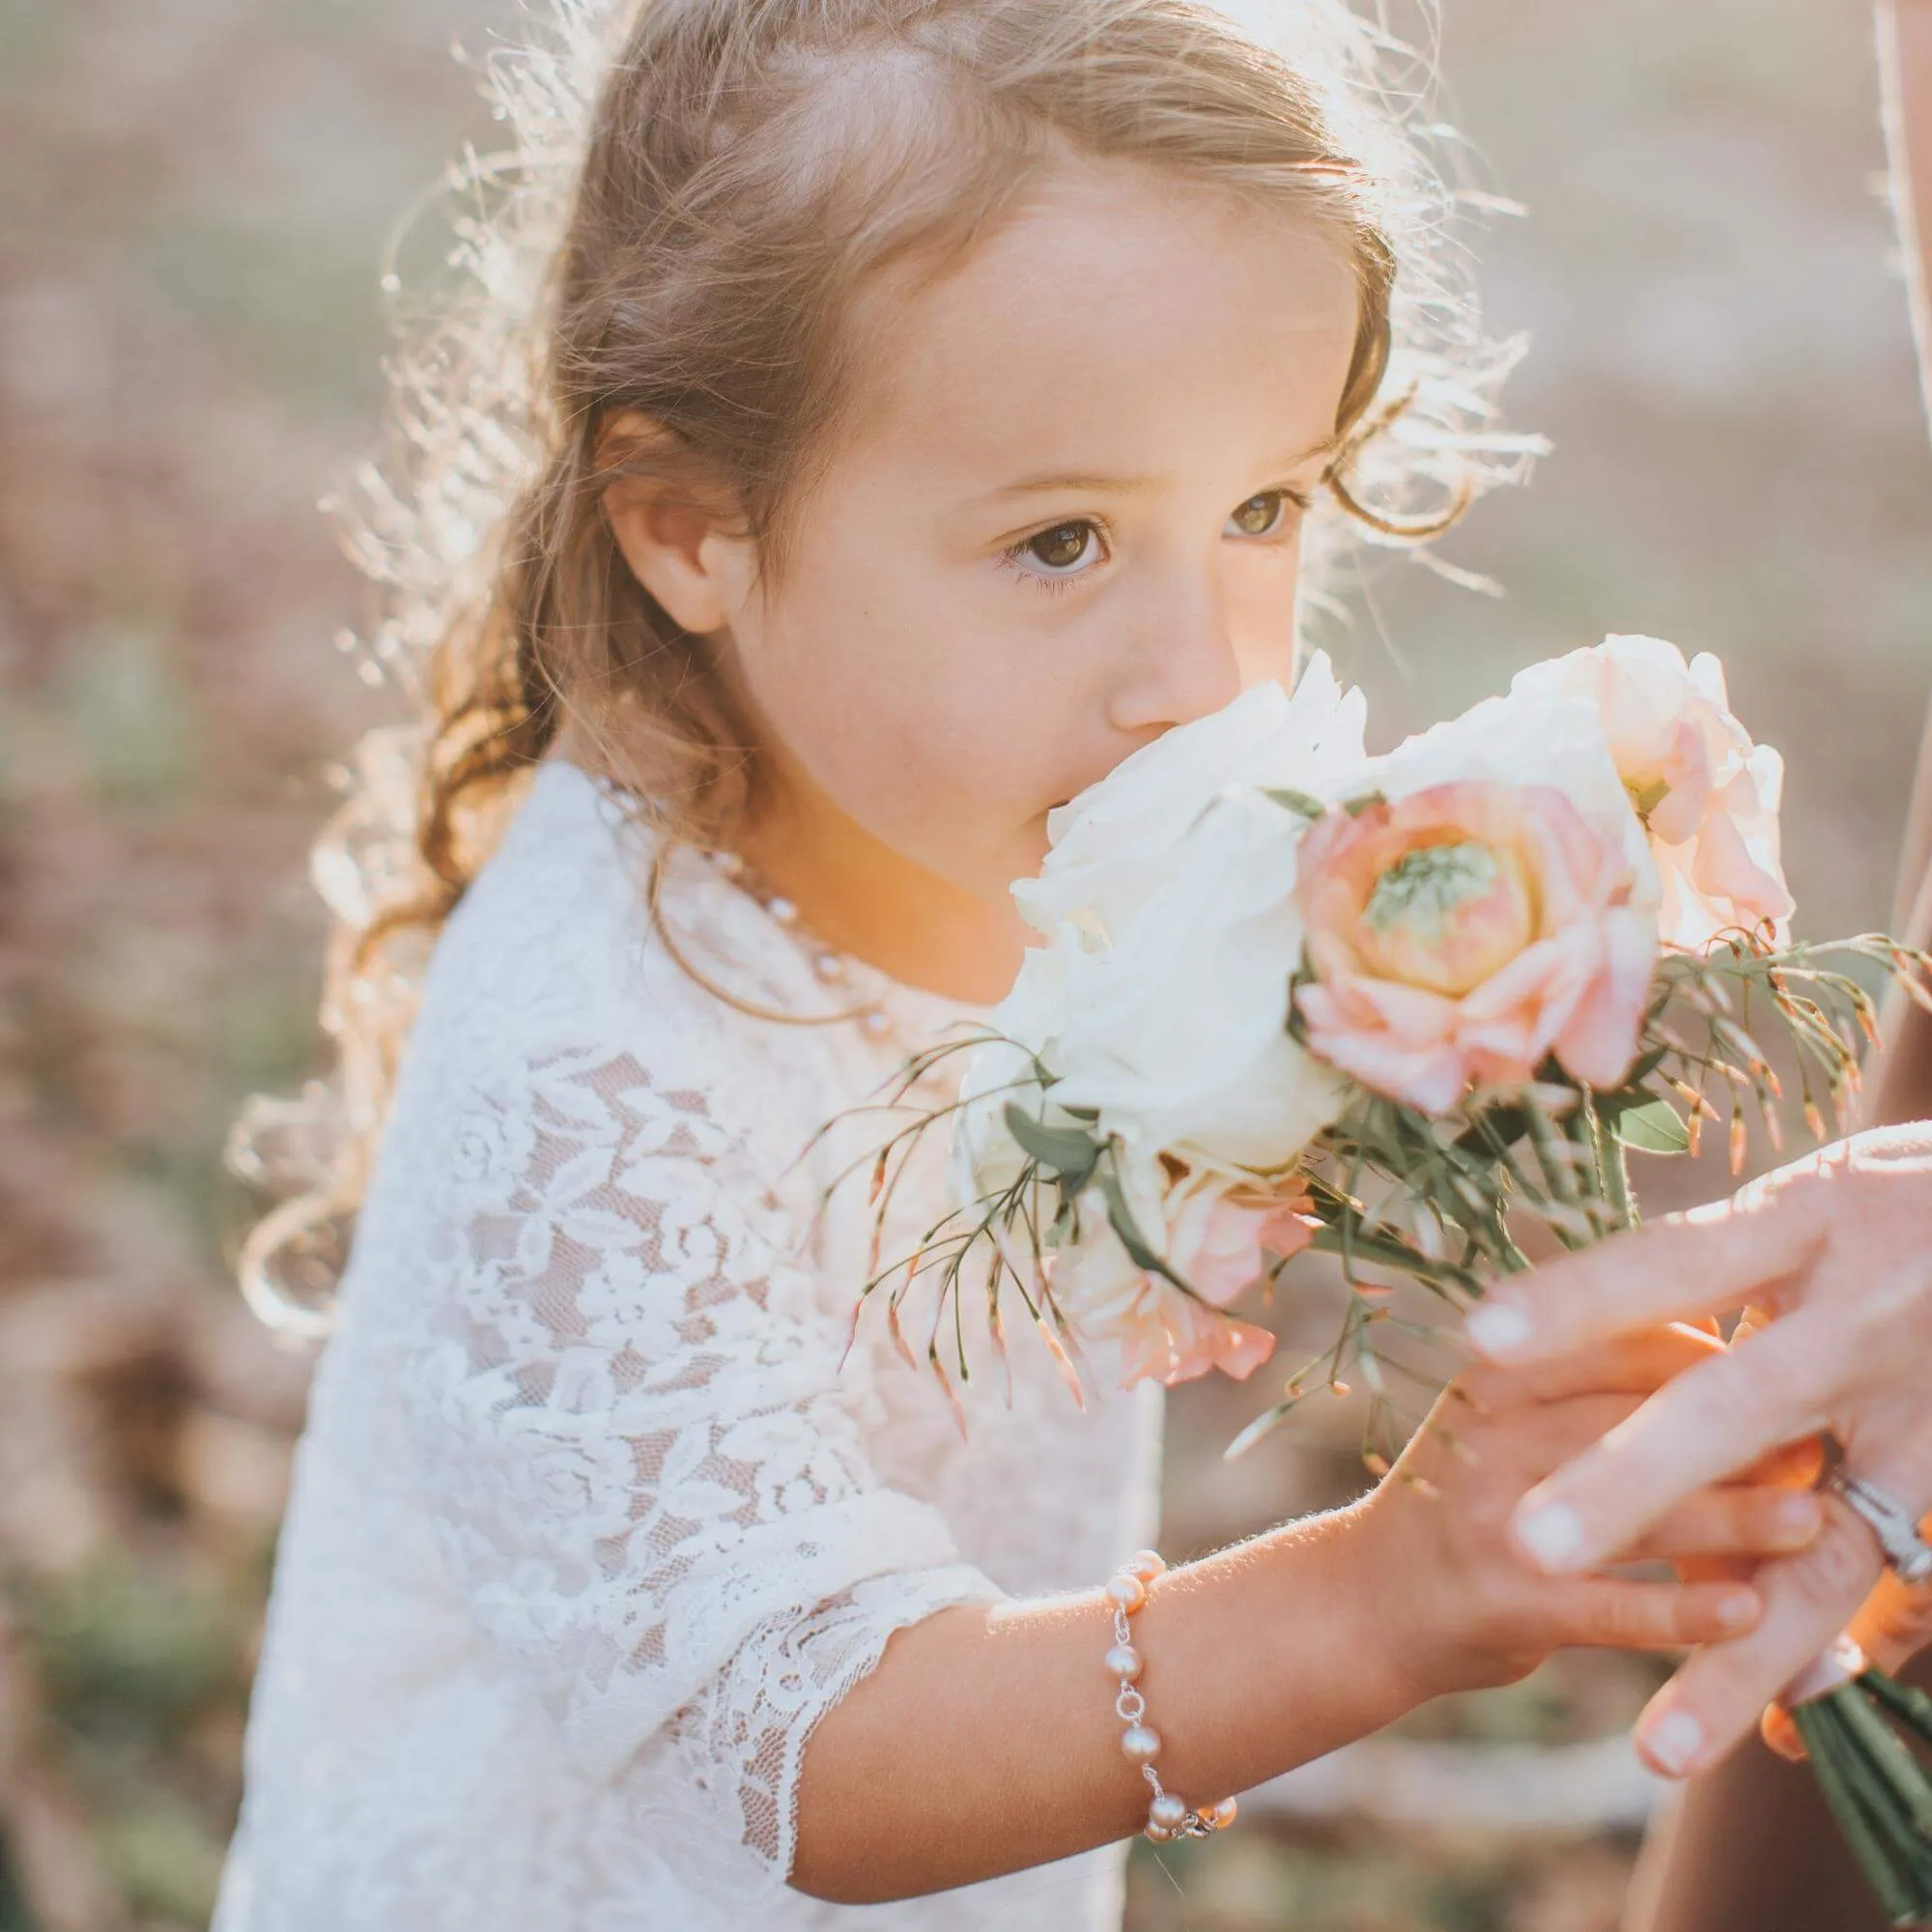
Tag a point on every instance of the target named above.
point(1216, 1235)
point(1459, 936)
point(1707, 795)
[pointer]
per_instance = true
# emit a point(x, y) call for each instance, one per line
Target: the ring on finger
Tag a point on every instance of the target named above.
point(1894, 1525)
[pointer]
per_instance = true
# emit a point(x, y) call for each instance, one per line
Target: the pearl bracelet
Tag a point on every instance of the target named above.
point(1169, 1815)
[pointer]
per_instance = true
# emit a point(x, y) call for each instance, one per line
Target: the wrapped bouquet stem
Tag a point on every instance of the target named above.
point(1411, 1010)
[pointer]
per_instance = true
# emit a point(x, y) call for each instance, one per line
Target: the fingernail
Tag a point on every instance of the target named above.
point(1495, 1329)
point(1553, 1533)
point(1737, 1611)
point(1672, 1742)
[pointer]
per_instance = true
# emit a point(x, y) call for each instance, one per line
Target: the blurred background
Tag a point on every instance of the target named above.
point(196, 196)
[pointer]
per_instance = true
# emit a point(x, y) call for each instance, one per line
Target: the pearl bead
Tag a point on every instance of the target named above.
point(1221, 1816)
point(829, 967)
point(1127, 1593)
point(875, 1025)
point(1123, 1661)
point(1145, 1564)
point(1157, 1834)
point(1168, 1811)
point(782, 910)
point(1141, 1742)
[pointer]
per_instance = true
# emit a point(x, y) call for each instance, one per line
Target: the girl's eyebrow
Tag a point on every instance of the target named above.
point(1077, 481)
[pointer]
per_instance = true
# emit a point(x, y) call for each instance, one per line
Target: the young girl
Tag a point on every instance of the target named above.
point(934, 393)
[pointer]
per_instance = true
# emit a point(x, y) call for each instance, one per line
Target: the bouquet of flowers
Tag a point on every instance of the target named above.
point(1403, 1009)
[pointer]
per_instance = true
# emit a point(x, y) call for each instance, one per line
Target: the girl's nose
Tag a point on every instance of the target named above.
point(1181, 662)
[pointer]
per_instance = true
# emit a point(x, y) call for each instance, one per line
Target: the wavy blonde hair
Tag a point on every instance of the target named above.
point(694, 194)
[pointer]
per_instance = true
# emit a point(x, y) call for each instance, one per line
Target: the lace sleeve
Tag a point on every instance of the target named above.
point(630, 1418)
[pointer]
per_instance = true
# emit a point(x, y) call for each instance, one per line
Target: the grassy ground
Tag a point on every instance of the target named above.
point(197, 194)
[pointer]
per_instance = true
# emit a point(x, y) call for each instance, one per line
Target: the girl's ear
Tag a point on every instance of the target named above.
point(697, 567)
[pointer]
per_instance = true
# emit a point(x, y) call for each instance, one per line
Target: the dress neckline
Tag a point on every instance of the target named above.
point(907, 1010)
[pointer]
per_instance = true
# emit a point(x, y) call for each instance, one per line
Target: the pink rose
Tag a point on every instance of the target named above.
point(1707, 796)
point(1461, 934)
point(1216, 1236)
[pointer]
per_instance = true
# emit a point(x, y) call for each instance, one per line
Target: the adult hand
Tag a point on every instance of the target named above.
point(1891, 1627)
point(1835, 1253)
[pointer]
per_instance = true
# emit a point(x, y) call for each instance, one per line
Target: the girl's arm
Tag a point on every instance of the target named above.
point(985, 1741)
point(631, 1419)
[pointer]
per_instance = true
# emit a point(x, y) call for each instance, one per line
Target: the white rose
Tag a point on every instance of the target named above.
point(1175, 1033)
point(1121, 841)
point(1168, 904)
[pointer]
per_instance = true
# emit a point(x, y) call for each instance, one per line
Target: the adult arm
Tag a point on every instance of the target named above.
point(1905, 68)
point(1838, 1248)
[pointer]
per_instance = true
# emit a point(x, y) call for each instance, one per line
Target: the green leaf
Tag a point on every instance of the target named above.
point(1645, 1066)
point(1368, 800)
point(1498, 1126)
point(1265, 1424)
point(1061, 1231)
point(1651, 1126)
point(1120, 1218)
point(1300, 802)
point(1386, 1251)
point(1062, 1150)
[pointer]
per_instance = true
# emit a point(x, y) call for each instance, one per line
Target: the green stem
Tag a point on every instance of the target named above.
point(1612, 1167)
point(1827, 1748)
point(1908, 1705)
point(1889, 1755)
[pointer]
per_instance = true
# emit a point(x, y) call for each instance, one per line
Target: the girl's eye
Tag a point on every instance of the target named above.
point(1061, 549)
point(1260, 516)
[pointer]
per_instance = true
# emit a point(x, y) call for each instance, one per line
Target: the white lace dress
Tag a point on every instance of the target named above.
point(590, 1523)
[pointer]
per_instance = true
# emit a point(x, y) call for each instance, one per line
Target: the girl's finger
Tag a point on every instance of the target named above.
point(1616, 1614)
point(1709, 1424)
point(1703, 1263)
point(1733, 1520)
point(1715, 1700)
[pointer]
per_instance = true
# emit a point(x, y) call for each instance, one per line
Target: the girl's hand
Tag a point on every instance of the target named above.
point(1480, 1612)
point(1838, 1251)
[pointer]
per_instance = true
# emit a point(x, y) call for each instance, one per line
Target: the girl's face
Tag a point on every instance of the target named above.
point(1066, 517)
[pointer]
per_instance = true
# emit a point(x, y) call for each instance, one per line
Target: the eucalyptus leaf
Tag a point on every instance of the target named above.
point(1651, 1126)
point(1265, 1424)
point(1498, 1126)
point(1062, 1150)
point(1646, 1067)
point(1120, 1218)
point(1300, 802)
